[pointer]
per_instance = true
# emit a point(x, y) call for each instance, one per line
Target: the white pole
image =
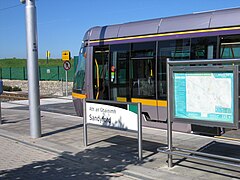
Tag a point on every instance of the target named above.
point(66, 82)
point(32, 65)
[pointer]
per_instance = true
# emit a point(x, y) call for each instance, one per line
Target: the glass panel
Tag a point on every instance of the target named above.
point(143, 70)
point(230, 47)
point(119, 71)
point(79, 76)
point(175, 50)
point(203, 48)
point(144, 78)
point(140, 50)
point(100, 72)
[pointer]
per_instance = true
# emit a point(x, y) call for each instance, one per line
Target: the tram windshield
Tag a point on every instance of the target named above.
point(79, 76)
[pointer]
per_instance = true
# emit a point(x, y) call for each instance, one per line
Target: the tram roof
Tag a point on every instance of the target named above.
point(194, 21)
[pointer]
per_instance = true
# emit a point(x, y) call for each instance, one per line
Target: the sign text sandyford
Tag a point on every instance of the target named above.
point(123, 117)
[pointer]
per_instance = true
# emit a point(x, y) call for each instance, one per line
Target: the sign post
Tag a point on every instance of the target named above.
point(169, 120)
point(66, 66)
point(1, 91)
point(66, 56)
point(119, 115)
point(48, 55)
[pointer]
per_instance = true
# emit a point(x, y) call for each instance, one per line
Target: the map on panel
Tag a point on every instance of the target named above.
point(204, 96)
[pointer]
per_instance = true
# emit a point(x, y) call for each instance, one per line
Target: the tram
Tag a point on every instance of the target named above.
point(127, 62)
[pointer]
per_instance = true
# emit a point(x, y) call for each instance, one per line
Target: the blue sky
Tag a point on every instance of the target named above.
point(63, 23)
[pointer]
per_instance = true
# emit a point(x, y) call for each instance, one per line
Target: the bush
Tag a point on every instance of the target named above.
point(9, 88)
point(16, 88)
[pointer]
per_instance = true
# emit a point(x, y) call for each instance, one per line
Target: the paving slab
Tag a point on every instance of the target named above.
point(111, 154)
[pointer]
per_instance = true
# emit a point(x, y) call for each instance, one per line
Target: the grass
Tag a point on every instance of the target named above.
point(14, 62)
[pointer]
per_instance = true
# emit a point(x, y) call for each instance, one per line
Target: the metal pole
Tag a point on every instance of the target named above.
point(0, 111)
point(32, 65)
point(66, 83)
point(169, 123)
point(84, 124)
point(202, 158)
point(62, 87)
point(139, 131)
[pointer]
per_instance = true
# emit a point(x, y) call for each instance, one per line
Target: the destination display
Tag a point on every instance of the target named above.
point(206, 96)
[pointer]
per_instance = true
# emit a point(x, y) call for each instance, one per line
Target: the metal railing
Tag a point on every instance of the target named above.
point(56, 73)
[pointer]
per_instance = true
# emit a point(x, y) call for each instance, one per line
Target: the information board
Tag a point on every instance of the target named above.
point(205, 96)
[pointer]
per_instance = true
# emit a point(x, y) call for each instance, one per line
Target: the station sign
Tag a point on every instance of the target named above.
point(109, 114)
point(121, 115)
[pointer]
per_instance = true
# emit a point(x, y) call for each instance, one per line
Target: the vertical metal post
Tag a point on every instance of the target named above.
point(66, 82)
point(40, 74)
point(10, 73)
point(1, 91)
point(32, 64)
point(169, 123)
point(62, 87)
point(139, 131)
point(84, 124)
point(58, 74)
point(24, 77)
point(0, 111)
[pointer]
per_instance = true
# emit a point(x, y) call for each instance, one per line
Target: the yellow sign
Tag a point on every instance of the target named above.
point(48, 54)
point(66, 56)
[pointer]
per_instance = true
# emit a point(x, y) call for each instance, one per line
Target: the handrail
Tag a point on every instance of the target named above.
point(97, 78)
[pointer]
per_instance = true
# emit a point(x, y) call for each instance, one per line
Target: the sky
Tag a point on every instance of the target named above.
point(61, 24)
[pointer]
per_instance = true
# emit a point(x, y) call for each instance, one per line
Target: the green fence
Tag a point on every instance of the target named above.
point(45, 73)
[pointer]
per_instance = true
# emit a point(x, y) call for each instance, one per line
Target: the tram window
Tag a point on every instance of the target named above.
point(173, 49)
point(79, 76)
point(100, 72)
point(140, 50)
point(230, 47)
point(119, 63)
point(142, 68)
point(203, 48)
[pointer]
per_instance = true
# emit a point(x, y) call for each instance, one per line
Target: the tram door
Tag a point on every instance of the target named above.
point(143, 77)
point(101, 72)
point(119, 73)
